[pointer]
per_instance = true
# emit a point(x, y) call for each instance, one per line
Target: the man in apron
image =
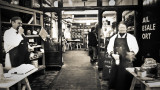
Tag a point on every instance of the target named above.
point(123, 44)
point(15, 45)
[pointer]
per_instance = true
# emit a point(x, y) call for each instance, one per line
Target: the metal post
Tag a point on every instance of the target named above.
point(59, 13)
point(119, 17)
point(1, 54)
point(99, 29)
point(99, 3)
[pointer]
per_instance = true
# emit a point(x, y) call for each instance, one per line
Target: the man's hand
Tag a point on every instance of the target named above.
point(20, 30)
point(130, 56)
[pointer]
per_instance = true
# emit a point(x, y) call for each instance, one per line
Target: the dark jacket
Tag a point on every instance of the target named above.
point(92, 39)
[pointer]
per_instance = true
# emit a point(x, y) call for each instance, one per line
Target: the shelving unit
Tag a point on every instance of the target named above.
point(53, 51)
point(77, 32)
point(7, 11)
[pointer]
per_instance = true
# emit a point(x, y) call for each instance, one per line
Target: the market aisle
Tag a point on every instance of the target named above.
point(77, 73)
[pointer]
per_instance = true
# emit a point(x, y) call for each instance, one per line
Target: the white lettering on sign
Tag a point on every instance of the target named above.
point(146, 36)
point(147, 28)
point(145, 20)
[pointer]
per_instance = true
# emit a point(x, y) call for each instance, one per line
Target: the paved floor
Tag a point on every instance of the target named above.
point(77, 73)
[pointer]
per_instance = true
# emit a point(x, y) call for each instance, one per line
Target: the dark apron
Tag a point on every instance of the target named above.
point(106, 43)
point(19, 55)
point(121, 79)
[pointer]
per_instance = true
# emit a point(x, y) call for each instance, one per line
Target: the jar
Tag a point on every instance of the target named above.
point(28, 32)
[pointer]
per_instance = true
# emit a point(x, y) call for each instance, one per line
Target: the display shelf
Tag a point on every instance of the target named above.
point(35, 58)
point(30, 36)
point(18, 8)
point(25, 24)
point(37, 46)
point(130, 30)
point(5, 22)
point(76, 33)
point(31, 24)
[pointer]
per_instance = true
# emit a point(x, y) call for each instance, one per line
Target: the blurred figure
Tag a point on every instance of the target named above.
point(67, 35)
point(63, 44)
point(92, 43)
point(63, 41)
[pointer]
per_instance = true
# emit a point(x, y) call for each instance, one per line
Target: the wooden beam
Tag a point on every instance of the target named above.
point(108, 8)
point(1, 53)
point(41, 20)
point(10, 6)
point(34, 18)
point(99, 3)
point(99, 27)
point(15, 9)
point(59, 14)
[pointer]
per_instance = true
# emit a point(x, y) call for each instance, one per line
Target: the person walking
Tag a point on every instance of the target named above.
point(92, 44)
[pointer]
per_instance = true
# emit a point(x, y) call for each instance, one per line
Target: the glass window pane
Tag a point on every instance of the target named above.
point(108, 24)
point(129, 17)
point(119, 2)
point(79, 3)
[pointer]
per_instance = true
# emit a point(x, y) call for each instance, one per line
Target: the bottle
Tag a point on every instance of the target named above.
point(117, 58)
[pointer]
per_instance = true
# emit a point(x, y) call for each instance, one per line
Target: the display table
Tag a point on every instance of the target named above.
point(15, 78)
point(75, 41)
point(150, 83)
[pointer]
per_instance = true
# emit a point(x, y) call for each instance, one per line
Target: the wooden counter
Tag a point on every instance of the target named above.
point(15, 78)
point(152, 83)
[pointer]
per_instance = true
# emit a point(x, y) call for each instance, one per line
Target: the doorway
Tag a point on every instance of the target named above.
point(75, 28)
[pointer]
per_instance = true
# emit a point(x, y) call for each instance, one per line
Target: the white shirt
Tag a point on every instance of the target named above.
point(131, 41)
point(67, 34)
point(11, 40)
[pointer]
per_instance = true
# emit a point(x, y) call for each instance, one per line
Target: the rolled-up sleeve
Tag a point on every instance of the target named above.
point(11, 40)
point(132, 43)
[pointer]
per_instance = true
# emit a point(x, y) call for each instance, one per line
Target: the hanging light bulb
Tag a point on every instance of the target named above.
point(111, 3)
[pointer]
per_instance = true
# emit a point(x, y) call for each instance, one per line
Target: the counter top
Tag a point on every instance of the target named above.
point(149, 82)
